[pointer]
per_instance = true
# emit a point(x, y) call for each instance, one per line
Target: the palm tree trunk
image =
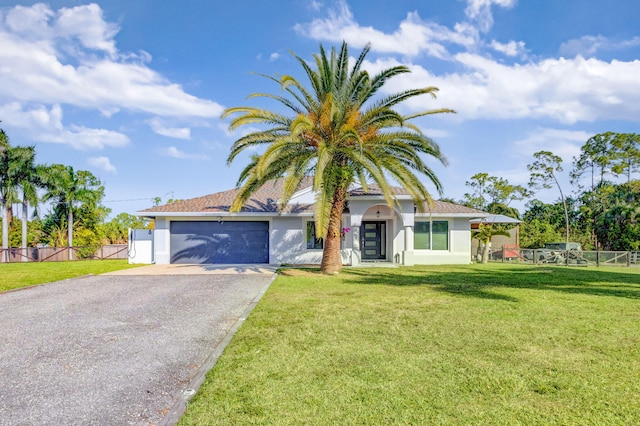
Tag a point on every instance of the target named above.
point(70, 231)
point(25, 217)
point(486, 248)
point(5, 235)
point(331, 255)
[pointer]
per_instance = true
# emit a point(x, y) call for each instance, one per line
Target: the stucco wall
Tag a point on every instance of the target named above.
point(459, 247)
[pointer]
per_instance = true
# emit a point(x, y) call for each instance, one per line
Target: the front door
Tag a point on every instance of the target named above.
point(374, 240)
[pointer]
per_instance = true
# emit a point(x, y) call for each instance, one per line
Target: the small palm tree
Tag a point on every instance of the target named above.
point(484, 233)
point(338, 132)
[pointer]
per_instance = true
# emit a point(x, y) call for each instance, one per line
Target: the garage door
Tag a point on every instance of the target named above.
point(219, 242)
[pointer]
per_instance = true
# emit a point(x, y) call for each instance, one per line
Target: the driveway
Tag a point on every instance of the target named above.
point(120, 348)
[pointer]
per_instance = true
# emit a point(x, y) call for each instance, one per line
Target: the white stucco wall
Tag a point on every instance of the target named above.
point(288, 242)
point(162, 254)
point(287, 237)
point(459, 247)
point(140, 246)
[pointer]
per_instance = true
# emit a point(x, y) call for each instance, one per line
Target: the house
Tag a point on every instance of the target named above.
point(201, 230)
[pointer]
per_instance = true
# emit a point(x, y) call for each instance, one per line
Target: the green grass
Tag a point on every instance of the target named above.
point(479, 344)
point(17, 275)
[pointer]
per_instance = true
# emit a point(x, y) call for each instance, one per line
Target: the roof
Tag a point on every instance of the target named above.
point(265, 200)
point(496, 218)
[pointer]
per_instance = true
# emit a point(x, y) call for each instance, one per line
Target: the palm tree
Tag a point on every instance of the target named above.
point(4, 192)
point(484, 234)
point(27, 179)
point(67, 188)
point(337, 132)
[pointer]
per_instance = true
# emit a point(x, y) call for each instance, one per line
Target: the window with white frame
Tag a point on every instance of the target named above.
point(431, 235)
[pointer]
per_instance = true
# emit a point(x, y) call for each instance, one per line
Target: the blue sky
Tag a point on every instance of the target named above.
point(133, 90)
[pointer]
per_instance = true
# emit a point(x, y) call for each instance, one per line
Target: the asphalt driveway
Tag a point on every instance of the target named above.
point(116, 349)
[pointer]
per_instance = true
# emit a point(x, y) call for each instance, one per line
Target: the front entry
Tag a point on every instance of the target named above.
point(374, 240)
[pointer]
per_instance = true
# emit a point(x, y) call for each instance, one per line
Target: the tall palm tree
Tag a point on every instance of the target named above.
point(27, 179)
point(339, 132)
point(4, 192)
point(68, 188)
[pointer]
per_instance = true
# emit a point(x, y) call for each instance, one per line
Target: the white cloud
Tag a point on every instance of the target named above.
point(564, 143)
point(40, 123)
point(102, 163)
point(512, 48)
point(480, 11)
point(160, 128)
point(69, 56)
point(589, 45)
point(315, 5)
point(564, 90)
point(411, 38)
point(274, 56)
point(174, 152)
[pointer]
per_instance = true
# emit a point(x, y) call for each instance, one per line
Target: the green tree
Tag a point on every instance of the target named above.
point(4, 191)
point(27, 179)
point(116, 231)
point(69, 189)
point(493, 191)
point(484, 233)
point(543, 175)
point(617, 226)
point(15, 167)
point(626, 147)
point(536, 233)
point(337, 132)
point(596, 158)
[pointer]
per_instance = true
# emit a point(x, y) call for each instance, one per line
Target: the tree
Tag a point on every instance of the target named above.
point(338, 134)
point(117, 229)
point(485, 232)
point(596, 157)
point(67, 189)
point(4, 191)
point(493, 191)
point(617, 226)
point(27, 179)
point(543, 175)
point(626, 153)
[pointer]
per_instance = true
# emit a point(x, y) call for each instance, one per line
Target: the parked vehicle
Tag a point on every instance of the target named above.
point(557, 252)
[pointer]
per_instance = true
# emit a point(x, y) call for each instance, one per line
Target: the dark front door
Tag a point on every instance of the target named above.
point(373, 238)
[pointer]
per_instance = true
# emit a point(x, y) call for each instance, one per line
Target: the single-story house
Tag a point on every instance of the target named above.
point(201, 230)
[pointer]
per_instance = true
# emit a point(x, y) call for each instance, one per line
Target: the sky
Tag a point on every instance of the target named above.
point(133, 91)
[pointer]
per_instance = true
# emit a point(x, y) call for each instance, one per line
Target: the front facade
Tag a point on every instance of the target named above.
point(202, 230)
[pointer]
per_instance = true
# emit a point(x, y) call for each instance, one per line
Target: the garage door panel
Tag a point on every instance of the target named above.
point(219, 242)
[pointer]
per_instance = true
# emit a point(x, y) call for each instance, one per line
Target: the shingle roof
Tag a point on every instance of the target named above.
point(265, 200)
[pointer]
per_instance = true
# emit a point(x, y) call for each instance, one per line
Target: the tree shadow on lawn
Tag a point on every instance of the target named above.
point(478, 282)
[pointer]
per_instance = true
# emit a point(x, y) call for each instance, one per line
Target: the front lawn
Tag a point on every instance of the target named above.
point(479, 344)
point(16, 275)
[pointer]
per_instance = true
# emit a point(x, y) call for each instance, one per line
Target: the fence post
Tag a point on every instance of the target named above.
point(628, 259)
point(597, 257)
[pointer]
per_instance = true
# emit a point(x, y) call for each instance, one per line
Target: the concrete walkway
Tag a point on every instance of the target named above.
point(117, 349)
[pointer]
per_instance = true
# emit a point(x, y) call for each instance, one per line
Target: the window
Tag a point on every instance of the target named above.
point(312, 241)
point(427, 237)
